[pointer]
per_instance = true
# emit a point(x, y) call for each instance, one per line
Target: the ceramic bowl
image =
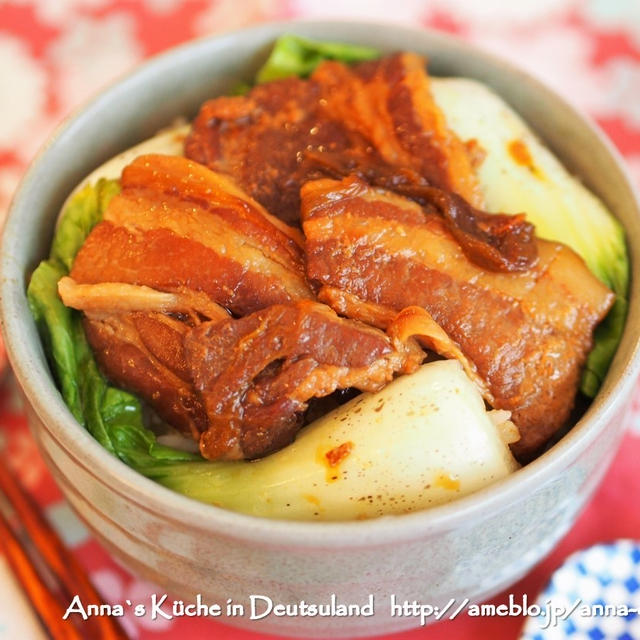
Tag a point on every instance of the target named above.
point(471, 548)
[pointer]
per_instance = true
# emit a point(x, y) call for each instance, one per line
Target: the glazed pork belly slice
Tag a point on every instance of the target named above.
point(257, 374)
point(137, 337)
point(528, 334)
point(177, 226)
point(495, 241)
point(143, 352)
point(239, 387)
point(377, 120)
point(272, 140)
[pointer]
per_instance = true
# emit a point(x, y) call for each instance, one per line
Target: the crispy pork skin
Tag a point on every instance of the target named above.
point(256, 374)
point(178, 226)
point(378, 113)
point(528, 334)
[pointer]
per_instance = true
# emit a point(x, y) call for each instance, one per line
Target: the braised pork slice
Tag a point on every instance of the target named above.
point(528, 334)
point(239, 387)
point(495, 241)
point(378, 120)
point(380, 113)
point(176, 226)
point(143, 352)
point(256, 374)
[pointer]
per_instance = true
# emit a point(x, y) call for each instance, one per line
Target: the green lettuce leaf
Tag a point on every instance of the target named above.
point(296, 56)
point(608, 259)
point(112, 416)
point(54, 324)
point(81, 214)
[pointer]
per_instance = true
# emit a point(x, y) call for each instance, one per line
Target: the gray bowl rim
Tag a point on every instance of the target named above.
point(80, 446)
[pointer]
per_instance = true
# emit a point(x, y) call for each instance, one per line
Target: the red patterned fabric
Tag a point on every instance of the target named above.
point(53, 55)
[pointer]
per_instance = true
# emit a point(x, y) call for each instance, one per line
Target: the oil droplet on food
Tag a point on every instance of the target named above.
point(519, 151)
point(446, 481)
point(336, 455)
point(332, 457)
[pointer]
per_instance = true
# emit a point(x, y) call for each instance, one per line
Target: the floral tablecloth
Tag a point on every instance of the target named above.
point(54, 54)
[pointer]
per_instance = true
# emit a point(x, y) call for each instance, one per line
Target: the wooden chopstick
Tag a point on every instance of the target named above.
point(67, 571)
point(46, 605)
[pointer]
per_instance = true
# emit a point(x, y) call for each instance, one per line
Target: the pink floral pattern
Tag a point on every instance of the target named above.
point(54, 55)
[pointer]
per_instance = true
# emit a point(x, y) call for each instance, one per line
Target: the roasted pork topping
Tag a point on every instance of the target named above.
point(381, 112)
point(176, 224)
point(200, 300)
point(241, 386)
point(528, 334)
point(144, 353)
point(256, 374)
point(377, 121)
point(177, 248)
point(495, 241)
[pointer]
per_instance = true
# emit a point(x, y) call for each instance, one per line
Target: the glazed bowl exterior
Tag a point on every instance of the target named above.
point(471, 548)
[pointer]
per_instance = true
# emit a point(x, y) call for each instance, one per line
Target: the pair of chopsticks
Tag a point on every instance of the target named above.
point(48, 573)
